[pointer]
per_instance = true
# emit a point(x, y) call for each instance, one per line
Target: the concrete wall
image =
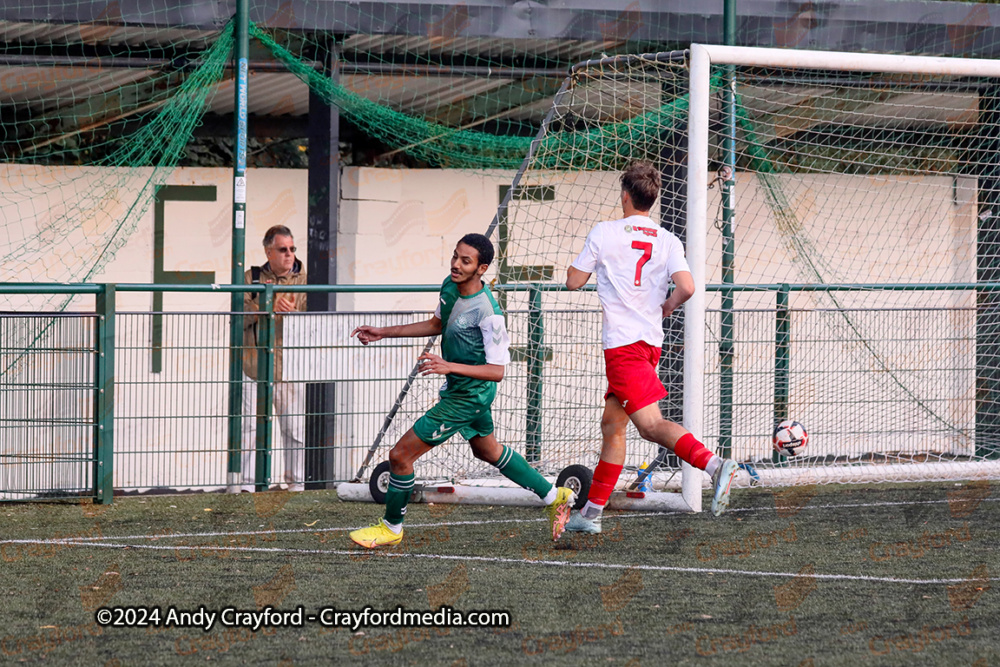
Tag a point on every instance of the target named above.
point(399, 227)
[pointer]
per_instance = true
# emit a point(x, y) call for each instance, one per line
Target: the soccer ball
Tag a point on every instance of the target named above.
point(790, 438)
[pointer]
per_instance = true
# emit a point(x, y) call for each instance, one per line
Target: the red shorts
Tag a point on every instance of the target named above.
point(632, 376)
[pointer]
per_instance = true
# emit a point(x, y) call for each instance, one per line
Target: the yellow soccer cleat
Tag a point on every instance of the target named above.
point(376, 535)
point(558, 511)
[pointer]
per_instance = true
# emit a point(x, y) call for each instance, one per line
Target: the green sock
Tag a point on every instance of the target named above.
point(513, 466)
point(396, 497)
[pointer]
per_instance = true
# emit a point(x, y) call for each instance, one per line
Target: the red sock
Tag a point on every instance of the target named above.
point(605, 477)
point(691, 451)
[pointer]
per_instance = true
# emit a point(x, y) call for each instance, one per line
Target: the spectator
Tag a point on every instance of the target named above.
point(281, 268)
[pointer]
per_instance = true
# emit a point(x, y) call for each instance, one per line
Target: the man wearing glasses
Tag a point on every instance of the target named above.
point(281, 268)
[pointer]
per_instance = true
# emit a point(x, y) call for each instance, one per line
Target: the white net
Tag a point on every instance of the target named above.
point(862, 230)
point(550, 402)
point(861, 179)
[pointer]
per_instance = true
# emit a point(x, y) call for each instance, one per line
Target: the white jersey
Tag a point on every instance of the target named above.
point(634, 259)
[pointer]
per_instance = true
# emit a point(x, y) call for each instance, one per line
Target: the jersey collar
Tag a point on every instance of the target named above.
point(462, 296)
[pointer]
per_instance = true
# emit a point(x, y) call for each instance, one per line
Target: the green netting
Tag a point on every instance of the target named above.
point(605, 147)
point(90, 211)
point(433, 142)
point(72, 229)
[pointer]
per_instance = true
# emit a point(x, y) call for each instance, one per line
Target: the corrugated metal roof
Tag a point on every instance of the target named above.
point(45, 88)
point(103, 34)
point(283, 94)
point(98, 33)
point(805, 106)
point(268, 94)
point(421, 96)
point(565, 51)
point(600, 100)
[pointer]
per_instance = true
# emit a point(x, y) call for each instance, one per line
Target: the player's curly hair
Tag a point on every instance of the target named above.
point(482, 245)
point(641, 181)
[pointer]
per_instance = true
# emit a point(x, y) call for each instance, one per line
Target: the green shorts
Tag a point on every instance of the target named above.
point(454, 415)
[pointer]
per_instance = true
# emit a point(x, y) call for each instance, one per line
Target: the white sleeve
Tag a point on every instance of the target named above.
point(676, 260)
point(496, 342)
point(586, 261)
point(437, 311)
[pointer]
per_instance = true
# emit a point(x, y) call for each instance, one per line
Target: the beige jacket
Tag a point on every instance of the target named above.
point(250, 303)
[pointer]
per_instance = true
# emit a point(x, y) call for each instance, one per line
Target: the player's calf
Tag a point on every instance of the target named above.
point(723, 471)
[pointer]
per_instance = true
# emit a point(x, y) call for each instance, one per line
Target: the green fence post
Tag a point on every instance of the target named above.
point(782, 338)
point(241, 52)
point(265, 387)
point(104, 397)
point(235, 393)
point(536, 359)
point(728, 239)
point(726, 376)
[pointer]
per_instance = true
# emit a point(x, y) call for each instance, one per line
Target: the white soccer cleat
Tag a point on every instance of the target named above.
point(722, 482)
point(580, 524)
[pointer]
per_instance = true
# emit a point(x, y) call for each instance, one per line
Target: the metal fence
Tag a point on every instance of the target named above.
point(881, 375)
point(57, 399)
point(143, 397)
point(131, 401)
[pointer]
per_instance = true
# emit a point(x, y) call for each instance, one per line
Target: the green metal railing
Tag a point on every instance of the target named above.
point(105, 383)
point(104, 403)
point(782, 340)
point(110, 389)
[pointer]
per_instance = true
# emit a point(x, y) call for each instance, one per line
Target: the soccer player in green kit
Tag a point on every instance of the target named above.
point(475, 350)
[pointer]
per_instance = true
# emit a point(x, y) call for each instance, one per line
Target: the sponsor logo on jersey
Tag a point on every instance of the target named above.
point(646, 230)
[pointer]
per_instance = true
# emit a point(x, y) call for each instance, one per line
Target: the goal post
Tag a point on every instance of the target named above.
point(910, 126)
point(549, 405)
point(858, 291)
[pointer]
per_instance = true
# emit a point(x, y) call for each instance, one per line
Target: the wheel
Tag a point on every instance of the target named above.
point(577, 478)
point(378, 483)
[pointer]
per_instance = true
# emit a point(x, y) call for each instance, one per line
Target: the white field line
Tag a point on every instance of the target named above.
point(486, 522)
point(356, 554)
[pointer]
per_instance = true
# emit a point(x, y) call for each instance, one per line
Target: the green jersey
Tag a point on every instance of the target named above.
point(473, 332)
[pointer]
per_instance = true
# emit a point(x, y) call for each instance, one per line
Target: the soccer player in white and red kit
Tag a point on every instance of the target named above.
point(635, 261)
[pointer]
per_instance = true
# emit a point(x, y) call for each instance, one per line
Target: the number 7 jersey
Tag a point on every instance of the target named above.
point(634, 259)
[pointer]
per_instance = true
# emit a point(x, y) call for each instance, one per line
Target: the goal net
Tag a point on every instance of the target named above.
point(549, 405)
point(84, 146)
point(863, 216)
point(839, 214)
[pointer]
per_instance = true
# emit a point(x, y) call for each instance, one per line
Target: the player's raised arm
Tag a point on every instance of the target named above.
point(367, 334)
